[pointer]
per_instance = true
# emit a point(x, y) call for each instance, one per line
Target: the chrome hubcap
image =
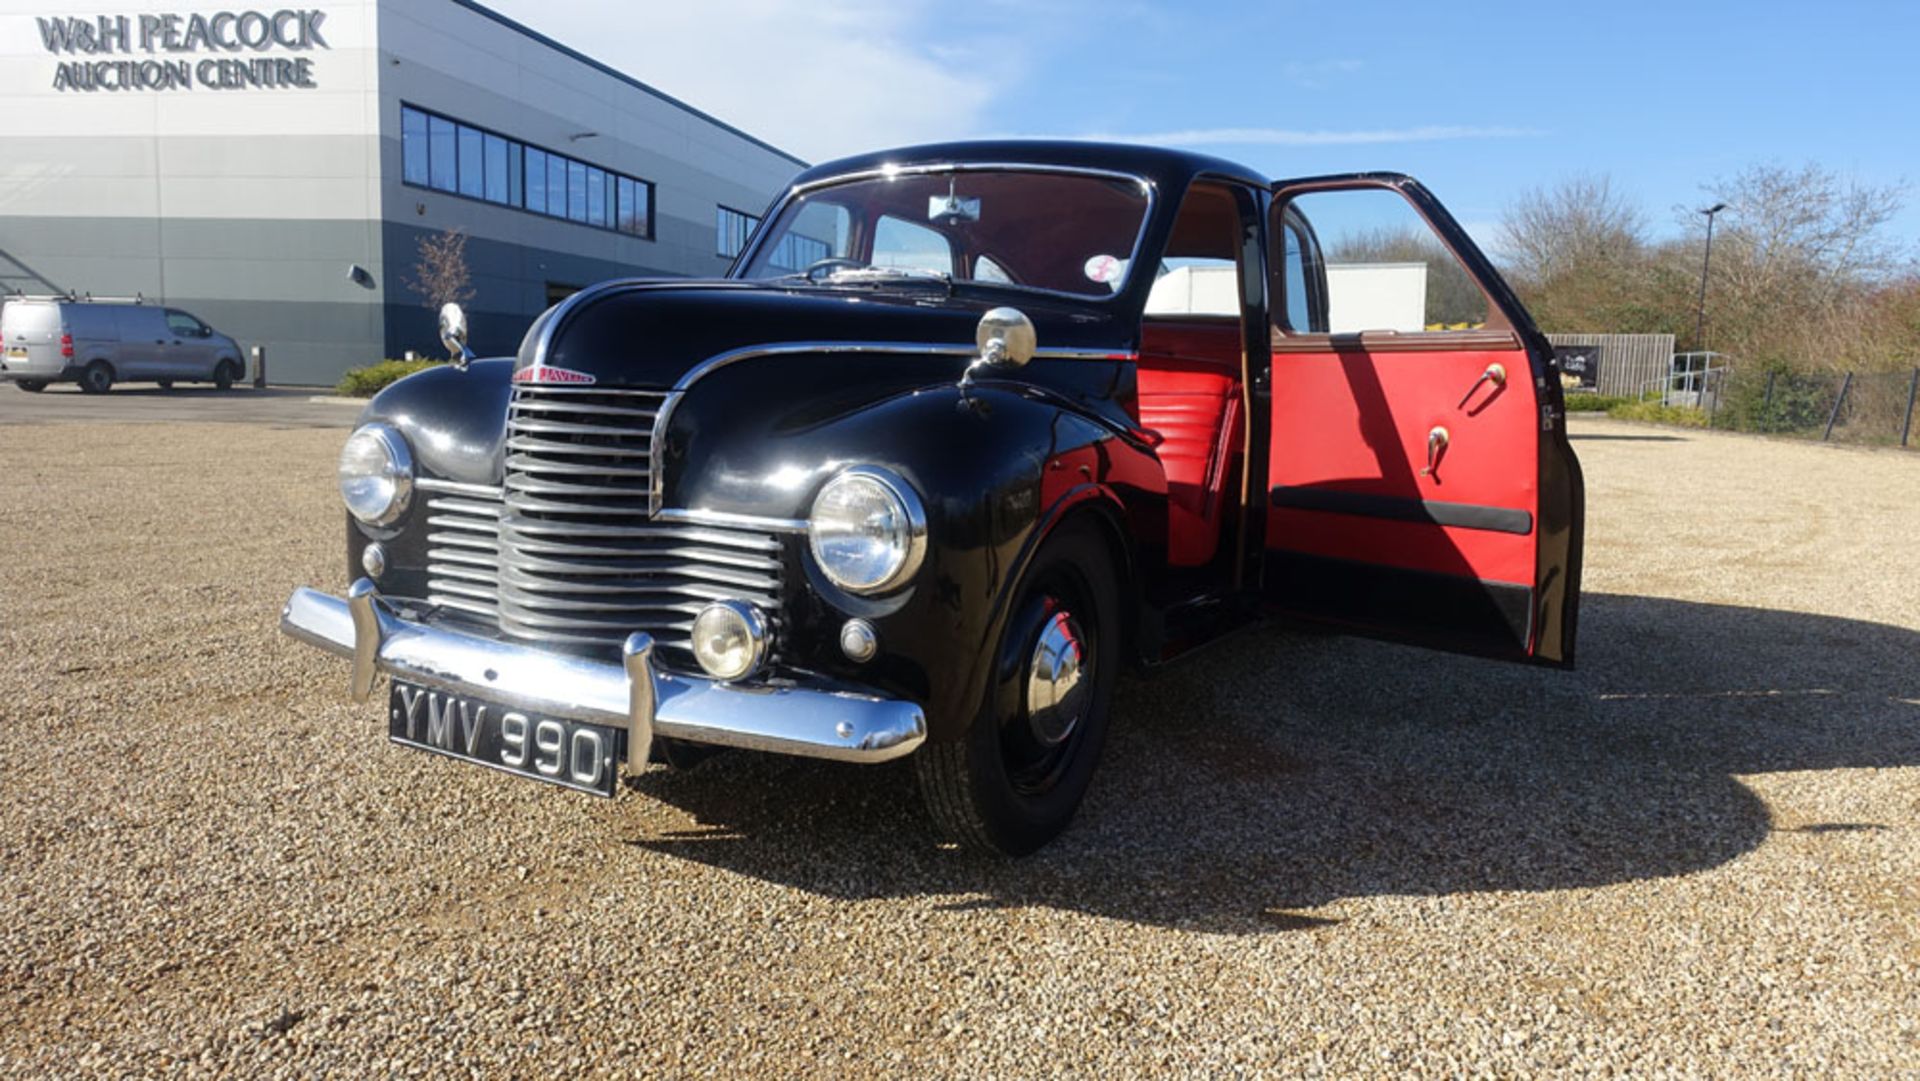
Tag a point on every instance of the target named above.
point(1056, 691)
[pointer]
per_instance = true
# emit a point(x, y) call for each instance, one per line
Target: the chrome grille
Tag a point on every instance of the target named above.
point(463, 548)
point(580, 560)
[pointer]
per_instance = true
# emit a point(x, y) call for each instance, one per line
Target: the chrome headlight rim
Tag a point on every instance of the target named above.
point(398, 470)
point(912, 552)
point(753, 624)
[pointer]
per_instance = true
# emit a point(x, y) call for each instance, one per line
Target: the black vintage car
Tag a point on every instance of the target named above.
point(966, 430)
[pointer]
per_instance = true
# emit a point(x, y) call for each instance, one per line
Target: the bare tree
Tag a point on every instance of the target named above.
point(1802, 262)
point(1578, 253)
point(1579, 222)
point(441, 275)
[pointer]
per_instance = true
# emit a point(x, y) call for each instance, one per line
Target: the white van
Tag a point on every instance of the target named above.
point(98, 343)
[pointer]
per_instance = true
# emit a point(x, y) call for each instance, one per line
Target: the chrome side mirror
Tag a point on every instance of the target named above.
point(1005, 337)
point(1006, 340)
point(453, 334)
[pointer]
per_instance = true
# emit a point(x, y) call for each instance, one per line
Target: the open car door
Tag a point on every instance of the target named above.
point(1420, 483)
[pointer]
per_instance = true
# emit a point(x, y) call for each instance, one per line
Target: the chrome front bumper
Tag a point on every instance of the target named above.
point(816, 722)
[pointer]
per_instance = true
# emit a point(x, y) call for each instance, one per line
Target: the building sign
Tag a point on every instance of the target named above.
point(1580, 361)
point(217, 51)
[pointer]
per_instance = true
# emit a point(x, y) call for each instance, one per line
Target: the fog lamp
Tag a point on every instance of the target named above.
point(730, 640)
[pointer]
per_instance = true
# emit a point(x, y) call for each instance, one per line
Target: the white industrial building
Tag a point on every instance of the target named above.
point(273, 170)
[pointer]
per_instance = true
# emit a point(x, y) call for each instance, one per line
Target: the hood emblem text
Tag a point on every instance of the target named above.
point(541, 373)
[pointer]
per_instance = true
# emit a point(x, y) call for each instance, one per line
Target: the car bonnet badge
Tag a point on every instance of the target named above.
point(542, 373)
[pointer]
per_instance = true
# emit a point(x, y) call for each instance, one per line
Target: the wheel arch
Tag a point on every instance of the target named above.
point(1101, 507)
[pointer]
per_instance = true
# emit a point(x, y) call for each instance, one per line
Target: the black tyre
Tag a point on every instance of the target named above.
point(31, 386)
point(225, 374)
point(97, 378)
point(165, 384)
point(681, 755)
point(1015, 780)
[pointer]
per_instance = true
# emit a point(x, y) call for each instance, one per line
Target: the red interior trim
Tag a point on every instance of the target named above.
point(1189, 387)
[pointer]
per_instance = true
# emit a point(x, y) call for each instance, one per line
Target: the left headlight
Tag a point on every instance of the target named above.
point(868, 530)
point(376, 474)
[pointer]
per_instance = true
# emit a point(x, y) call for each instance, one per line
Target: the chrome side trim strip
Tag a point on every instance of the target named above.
point(811, 720)
point(966, 349)
point(720, 360)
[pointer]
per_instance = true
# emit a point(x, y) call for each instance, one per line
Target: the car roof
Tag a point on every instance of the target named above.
point(1168, 169)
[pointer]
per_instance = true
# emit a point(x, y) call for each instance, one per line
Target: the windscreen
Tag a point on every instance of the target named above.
point(1063, 232)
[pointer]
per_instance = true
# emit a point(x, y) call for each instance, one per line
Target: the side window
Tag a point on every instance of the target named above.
point(1299, 269)
point(899, 243)
point(820, 231)
point(1385, 269)
point(988, 269)
point(1199, 271)
point(184, 325)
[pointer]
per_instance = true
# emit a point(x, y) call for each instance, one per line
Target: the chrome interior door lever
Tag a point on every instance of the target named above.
point(1496, 374)
point(1437, 441)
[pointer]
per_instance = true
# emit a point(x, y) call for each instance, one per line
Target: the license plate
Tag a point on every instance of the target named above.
point(16, 353)
point(572, 754)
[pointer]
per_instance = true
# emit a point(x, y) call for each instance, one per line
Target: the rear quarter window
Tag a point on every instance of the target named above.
point(32, 319)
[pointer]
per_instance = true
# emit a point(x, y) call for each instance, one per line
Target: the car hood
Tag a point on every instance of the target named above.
point(656, 333)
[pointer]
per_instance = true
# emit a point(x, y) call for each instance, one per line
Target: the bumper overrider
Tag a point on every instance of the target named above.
point(815, 721)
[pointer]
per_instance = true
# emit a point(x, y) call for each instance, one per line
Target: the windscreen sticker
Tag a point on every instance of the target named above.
point(1105, 269)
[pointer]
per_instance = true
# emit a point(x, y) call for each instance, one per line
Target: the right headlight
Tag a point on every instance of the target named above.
point(868, 530)
point(376, 474)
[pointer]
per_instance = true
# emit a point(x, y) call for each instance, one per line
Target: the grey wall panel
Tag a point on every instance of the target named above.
point(280, 283)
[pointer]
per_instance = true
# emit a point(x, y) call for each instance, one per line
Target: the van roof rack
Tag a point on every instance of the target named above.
point(80, 298)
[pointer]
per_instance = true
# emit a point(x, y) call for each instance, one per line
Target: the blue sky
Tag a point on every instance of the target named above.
point(1480, 100)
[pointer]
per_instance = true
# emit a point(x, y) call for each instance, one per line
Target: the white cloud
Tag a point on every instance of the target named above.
point(1314, 74)
point(821, 78)
point(1193, 137)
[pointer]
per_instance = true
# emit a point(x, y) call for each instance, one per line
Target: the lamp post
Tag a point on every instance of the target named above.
point(1706, 262)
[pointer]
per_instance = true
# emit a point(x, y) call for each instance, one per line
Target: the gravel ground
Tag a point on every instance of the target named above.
point(1697, 855)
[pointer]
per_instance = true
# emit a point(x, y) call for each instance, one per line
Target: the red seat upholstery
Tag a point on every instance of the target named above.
point(1189, 384)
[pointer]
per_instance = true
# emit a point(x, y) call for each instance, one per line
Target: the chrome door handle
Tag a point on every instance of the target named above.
point(1437, 441)
point(1496, 374)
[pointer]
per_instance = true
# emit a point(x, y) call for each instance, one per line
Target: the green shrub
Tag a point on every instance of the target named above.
point(370, 380)
point(1593, 403)
point(1655, 413)
point(1797, 402)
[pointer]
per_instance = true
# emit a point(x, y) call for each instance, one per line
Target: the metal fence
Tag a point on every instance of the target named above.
point(1870, 408)
point(1628, 362)
point(1694, 381)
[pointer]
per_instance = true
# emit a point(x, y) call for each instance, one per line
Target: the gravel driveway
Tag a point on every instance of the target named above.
point(1698, 854)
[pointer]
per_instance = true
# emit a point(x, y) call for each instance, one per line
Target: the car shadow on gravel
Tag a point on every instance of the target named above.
point(1281, 772)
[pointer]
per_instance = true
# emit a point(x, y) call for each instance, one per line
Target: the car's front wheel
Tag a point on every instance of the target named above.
point(225, 374)
point(1015, 780)
point(31, 386)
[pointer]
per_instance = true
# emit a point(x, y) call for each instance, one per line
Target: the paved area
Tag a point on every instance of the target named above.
point(1697, 855)
point(276, 407)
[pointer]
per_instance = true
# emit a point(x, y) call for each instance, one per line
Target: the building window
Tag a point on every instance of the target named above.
point(443, 162)
point(413, 146)
point(459, 159)
point(734, 227)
